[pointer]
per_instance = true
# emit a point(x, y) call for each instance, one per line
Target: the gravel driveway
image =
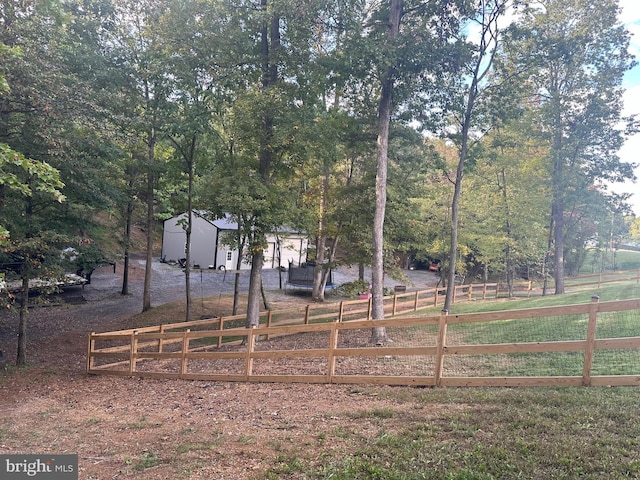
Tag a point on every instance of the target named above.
point(167, 283)
point(100, 305)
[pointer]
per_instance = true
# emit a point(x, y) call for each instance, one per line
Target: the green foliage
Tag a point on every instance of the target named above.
point(509, 176)
point(41, 176)
point(575, 56)
point(353, 289)
point(634, 229)
point(6, 51)
point(140, 96)
point(38, 255)
point(24, 176)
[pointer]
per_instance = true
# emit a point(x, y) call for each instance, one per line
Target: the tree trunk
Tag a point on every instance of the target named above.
point(318, 290)
point(187, 270)
point(236, 290)
point(187, 254)
point(21, 358)
point(236, 281)
point(332, 253)
point(270, 44)
point(379, 334)
point(507, 251)
point(255, 285)
point(146, 294)
point(318, 287)
point(127, 248)
point(457, 194)
point(557, 206)
point(263, 294)
point(545, 260)
point(455, 221)
point(127, 235)
point(558, 245)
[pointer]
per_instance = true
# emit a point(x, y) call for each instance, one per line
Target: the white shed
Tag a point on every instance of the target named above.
point(208, 249)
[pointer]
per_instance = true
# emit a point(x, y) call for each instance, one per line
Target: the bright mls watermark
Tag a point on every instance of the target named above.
point(41, 467)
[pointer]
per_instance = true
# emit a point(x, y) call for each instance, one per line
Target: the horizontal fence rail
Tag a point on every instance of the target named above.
point(593, 344)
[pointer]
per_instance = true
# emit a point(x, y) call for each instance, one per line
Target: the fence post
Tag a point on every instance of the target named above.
point(185, 350)
point(133, 353)
point(341, 311)
point(530, 288)
point(591, 341)
point(470, 291)
point(269, 320)
point(440, 344)
point(369, 308)
point(90, 348)
point(220, 327)
point(415, 302)
point(435, 297)
point(333, 344)
point(395, 301)
point(251, 343)
point(306, 314)
point(161, 340)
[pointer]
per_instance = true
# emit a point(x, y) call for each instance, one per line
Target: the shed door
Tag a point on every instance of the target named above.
point(229, 260)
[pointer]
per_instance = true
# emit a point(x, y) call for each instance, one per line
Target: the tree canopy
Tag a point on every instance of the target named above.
point(355, 122)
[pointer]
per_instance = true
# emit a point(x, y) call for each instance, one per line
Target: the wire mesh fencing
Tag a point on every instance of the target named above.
point(586, 344)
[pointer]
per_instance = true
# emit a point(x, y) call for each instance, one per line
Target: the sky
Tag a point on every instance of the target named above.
point(630, 152)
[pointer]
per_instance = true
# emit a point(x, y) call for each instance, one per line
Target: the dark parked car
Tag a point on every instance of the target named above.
point(429, 264)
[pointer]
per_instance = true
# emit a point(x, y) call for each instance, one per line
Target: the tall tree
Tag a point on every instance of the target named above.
point(273, 98)
point(385, 108)
point(505, 219)
point(270, 46)
point(141, 106)
point(179, 29)
point(44, 118)
point(575, 54)
point(410, 50)
point(470, 110)
point(27, 189)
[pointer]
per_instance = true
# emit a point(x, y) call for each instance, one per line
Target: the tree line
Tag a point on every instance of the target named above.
point(476, 132)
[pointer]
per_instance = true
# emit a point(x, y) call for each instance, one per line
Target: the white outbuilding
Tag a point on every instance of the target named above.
point(210, 250)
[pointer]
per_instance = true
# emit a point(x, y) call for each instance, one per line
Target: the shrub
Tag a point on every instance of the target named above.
point(355, 288)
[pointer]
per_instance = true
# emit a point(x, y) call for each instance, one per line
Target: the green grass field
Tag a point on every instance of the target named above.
point(574, 295)
point(621, 259)
point(495, 433)
point(482, 434)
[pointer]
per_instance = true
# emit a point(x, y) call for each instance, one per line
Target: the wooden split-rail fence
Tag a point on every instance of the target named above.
point(595, 344)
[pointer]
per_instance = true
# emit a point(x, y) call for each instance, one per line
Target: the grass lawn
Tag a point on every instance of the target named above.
point(574, 295)
point(548, 329)
point(532, 433)
point(623, 259)
point(491, 433)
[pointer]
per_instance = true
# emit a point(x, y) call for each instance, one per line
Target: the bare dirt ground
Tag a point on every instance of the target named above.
point(130, 428)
